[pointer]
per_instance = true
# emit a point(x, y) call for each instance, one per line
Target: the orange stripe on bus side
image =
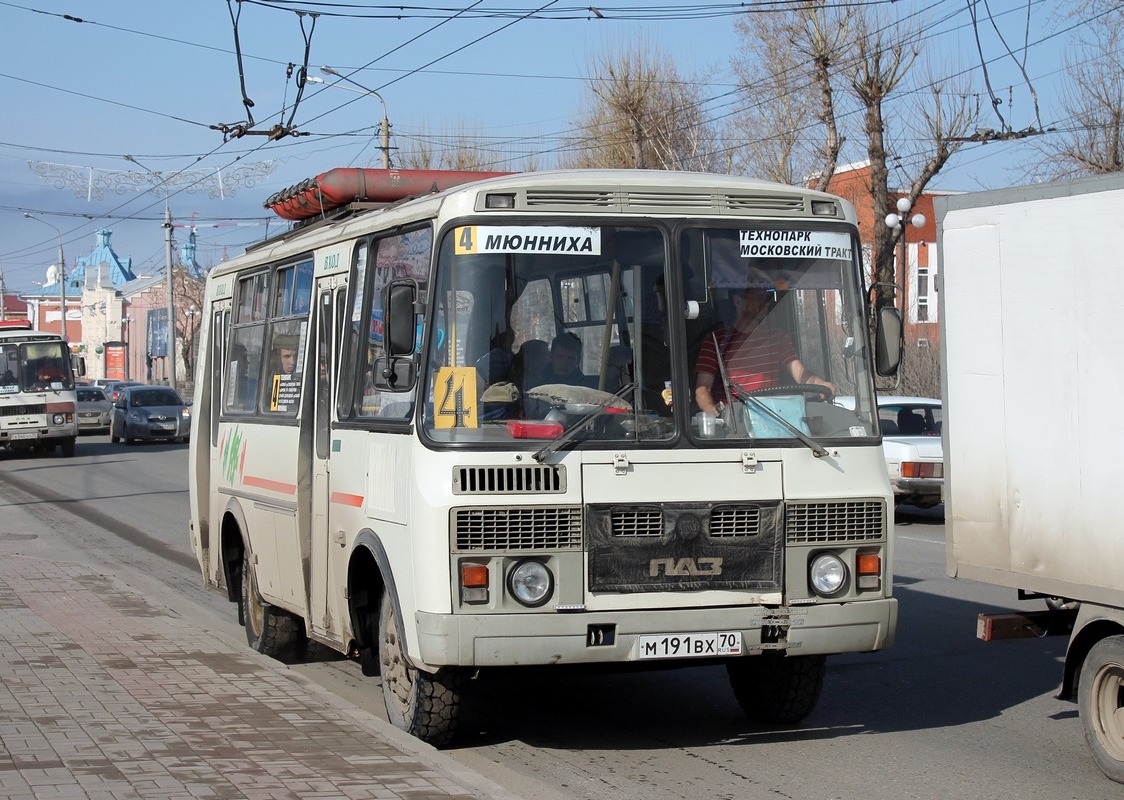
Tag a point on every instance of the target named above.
point(344, 499)
point(273, 486)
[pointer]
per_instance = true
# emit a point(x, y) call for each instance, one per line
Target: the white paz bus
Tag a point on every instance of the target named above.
point(449, 423)
point(38, 404)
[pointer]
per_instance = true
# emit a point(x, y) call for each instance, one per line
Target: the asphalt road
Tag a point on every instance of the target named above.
point(939, 715)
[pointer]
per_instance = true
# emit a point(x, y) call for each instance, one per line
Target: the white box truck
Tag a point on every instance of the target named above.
point(1032, 313)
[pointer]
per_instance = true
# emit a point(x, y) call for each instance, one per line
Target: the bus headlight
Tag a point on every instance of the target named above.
point(531, 583)
point(58, 419)
point(828, 574)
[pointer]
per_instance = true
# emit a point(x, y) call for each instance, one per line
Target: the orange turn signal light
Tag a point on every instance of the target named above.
point(869, 564)
point(474, 575)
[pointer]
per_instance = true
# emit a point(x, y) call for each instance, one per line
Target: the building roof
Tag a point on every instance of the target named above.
point(117, 270)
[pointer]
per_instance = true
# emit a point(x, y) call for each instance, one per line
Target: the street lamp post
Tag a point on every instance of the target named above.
point(895, 221)
point(384, 127)
point(62, 273)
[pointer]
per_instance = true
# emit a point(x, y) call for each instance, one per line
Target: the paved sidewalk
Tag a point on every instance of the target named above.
point(106, 695)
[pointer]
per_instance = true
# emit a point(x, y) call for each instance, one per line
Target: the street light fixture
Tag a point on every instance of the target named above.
point(62, 273)
point(895, 221)
point(384, 126)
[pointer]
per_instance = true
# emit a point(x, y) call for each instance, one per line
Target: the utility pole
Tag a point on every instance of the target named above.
point(3, 297)
point(384, 125)
point(171, 354)
point(62, 273)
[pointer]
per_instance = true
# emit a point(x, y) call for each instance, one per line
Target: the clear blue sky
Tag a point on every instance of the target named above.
point(146, 78)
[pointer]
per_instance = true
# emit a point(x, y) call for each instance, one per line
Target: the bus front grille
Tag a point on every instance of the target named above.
point(528, 479)
point(19, 411)
point(524, 528)
point(843, 521)
point(731, 521)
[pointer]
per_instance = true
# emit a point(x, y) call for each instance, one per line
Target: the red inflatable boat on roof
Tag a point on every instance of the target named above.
point(344, 185)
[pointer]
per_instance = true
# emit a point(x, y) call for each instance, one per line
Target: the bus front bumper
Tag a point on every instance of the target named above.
point(494, 640)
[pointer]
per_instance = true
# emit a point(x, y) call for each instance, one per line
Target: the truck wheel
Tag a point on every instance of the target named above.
point(269, 629)
point(424, 705)
point(1100, 699)
point(776, 689)
point(67, 447)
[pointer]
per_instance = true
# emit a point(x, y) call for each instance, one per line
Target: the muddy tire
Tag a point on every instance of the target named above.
point(423, 704)
point(269, 629)
point(776, 689)
point(1100, 701)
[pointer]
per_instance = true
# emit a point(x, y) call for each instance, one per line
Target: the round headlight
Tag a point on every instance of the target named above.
point(828, 574)
point(531, 583)
point(58, 419)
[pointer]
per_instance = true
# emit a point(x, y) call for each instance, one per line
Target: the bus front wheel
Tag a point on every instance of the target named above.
point(776, 689)
point(423, 704)
point(269, 630)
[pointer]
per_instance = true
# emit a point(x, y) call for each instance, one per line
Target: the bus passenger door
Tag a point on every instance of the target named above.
point(324, 600)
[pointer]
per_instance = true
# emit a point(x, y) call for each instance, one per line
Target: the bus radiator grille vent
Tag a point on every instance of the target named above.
point(531, 479)
point(639, 200)
point(756, 203)
point(19, 411)
point(632, 523)
point(562, 197)
point(535, 528)
point(734, 521)
point(844, 521)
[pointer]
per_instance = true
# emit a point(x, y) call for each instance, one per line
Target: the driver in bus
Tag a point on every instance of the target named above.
point(755, 354)
point(49, 373)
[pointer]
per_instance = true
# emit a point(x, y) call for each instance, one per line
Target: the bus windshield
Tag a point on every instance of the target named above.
point(537, 326)
point(34, 366)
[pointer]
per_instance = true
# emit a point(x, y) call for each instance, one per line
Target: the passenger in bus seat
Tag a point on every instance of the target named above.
point(496, 365)
point(563, 365)
point(285, 354)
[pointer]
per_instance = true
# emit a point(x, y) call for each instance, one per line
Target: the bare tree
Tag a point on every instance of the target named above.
point(856, 57)
point(640, 113)
point(189, 291)
point(1091, 140)
point(461, 149)
point(790, 127)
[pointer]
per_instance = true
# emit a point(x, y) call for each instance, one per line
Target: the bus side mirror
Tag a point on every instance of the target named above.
point(397, 371)
point(888, 341)
point(400, 318)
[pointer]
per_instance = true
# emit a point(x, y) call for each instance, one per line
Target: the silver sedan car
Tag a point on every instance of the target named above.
point(95, 412)
point(150, 413)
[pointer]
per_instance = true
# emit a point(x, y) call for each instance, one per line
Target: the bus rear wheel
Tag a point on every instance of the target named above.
point(269, 630)
point(423, 704)
point(776, 689)
point(1100, 703)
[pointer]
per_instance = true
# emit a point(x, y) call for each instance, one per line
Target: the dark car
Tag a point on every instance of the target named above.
point(150, 413)
point(113, 389)
point(95, 412)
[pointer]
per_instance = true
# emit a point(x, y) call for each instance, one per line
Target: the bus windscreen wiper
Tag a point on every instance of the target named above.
point(582, 424)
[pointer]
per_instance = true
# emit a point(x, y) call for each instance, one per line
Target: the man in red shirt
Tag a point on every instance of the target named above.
point(755, 355)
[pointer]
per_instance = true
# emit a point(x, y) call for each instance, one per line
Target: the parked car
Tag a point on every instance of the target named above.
point(911, 442)
point(95, 411)
point(113, 388)
point(147, 413)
